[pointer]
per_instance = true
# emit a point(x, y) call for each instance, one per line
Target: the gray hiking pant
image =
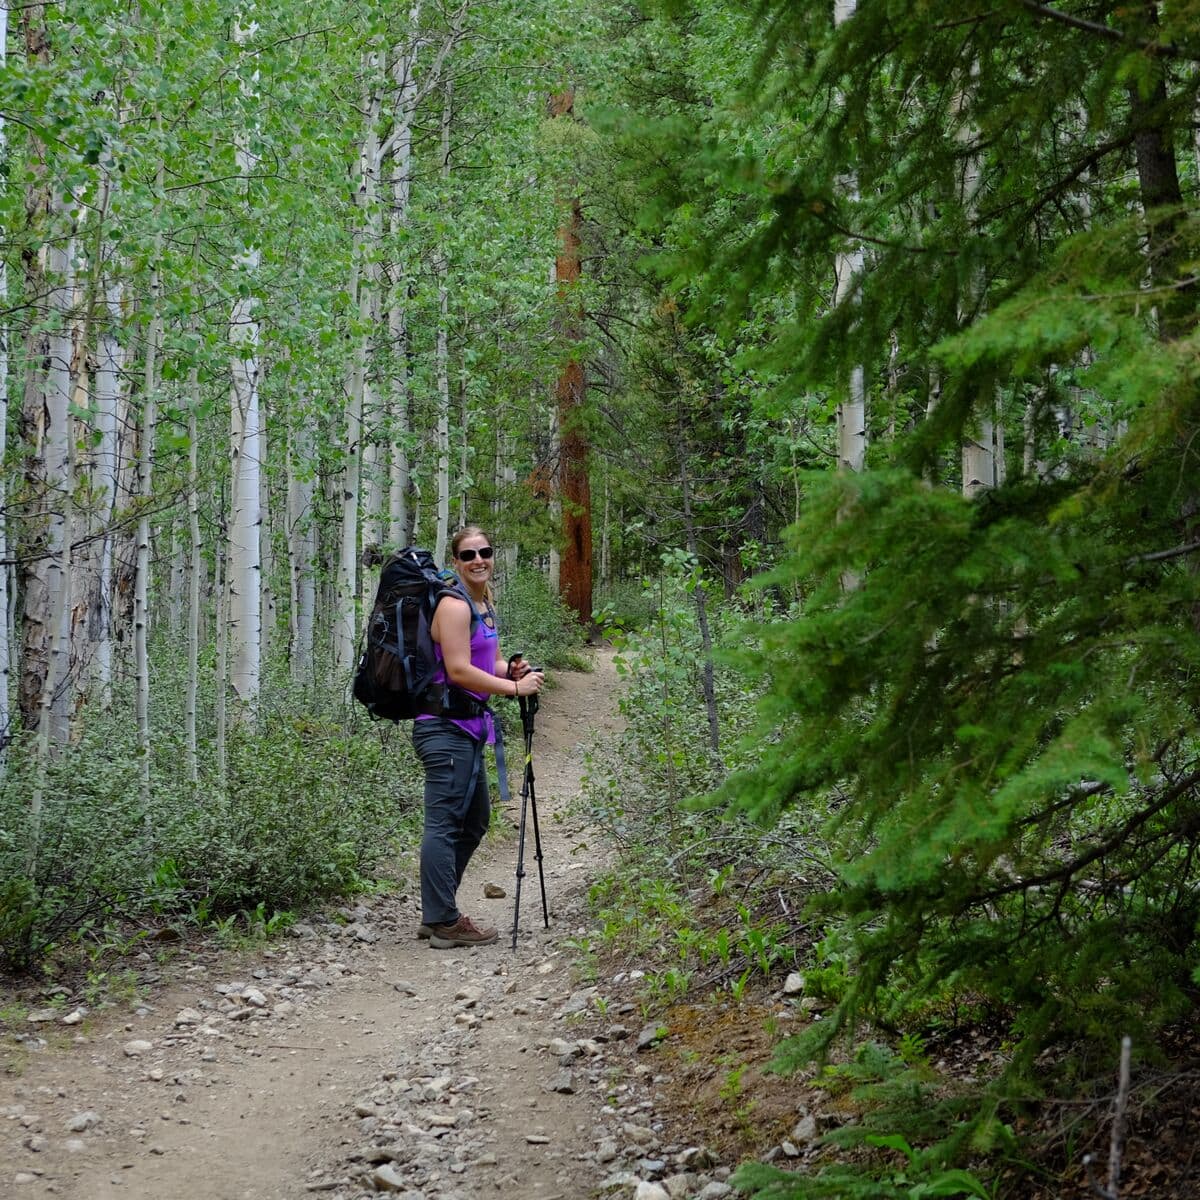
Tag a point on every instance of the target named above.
point(457, 810)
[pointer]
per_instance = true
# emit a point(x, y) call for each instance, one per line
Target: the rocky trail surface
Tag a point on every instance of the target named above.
point(351, 1060)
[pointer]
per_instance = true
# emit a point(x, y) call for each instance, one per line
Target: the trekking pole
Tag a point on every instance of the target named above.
point(529, 707)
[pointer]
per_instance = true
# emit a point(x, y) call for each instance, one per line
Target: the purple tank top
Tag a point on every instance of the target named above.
point(483, 656)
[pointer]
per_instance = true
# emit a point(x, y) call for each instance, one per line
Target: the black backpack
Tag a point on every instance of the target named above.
point(394, 679)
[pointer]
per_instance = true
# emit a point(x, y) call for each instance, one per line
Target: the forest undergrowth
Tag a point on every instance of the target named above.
point(315, 798)
point(746, 957)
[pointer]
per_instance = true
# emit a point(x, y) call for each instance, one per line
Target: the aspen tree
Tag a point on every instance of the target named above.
point(145, 476)
point(442, 353)
point(109, 367)
point(195, 572)
point(979, 447)
point(411, 90)
point(848, 268)
point(361, 294)
point(36, 619)
point(302, 549)
point(244, 566)
point(53, 726)
point(268, 606)
point(403, 73)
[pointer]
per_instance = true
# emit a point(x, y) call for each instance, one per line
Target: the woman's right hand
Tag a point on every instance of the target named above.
point(529, 684)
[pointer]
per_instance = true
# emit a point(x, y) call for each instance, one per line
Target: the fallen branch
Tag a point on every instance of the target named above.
point(1117, 1138)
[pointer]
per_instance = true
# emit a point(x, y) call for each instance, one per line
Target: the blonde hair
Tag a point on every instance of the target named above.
point(461, 536)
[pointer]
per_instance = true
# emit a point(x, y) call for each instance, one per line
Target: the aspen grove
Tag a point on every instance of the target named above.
point(260, 322)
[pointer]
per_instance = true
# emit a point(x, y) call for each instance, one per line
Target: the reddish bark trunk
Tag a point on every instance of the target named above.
point(575, 566)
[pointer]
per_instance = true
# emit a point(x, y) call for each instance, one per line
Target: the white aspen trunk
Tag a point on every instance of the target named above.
point(893, 383)
point(852, 412)
point(442, 537)
point(331, 492)
point(124, 538)
point(346, 623)
point(195, 569)
point(6, 641)
point(1029, 439)
point(302, 550)
point(400, 474)
point(373, 463)
point(53, 722)
point(107, 400)
point(59, 450)
point(464, 455)
point(178, 588)
point(506, 478)
point(442, 532)
point(195, 572)
point(141, 586)
point(374, 468)
point(244, 568)
point(267, 611)
point(400, 478)
point(243, 572)
point(979, 460)
point(221, 707)
point(978, 452)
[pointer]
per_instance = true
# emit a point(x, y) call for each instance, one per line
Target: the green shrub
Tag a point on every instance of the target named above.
point(314, 798)
point(535, 621)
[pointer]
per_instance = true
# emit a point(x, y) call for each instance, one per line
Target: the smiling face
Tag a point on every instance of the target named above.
point(474, 570)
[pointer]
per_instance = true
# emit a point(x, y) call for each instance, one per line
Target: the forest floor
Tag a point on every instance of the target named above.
point(349, 1058)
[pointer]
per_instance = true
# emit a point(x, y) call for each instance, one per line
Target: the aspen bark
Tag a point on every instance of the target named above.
point(104, 481)
point(375, 468)
point(53, 724)
point(977, 452)
point(267, 599)
point(399, 479)
point(244, 568)
point(37, 553)
point(221, 705)
point(302, 550)
point(362, 294)
point(464, 453)
point(848, 267)
point(141, 591)
point(347, 574)
point(195, 571)
point(442, 355)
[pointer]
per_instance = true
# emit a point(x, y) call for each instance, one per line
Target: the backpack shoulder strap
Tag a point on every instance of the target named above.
point(452, 587)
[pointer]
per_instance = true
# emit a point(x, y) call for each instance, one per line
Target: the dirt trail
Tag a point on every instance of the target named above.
point(352, 1059)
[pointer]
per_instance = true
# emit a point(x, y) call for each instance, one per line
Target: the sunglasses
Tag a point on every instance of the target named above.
point(469, 555)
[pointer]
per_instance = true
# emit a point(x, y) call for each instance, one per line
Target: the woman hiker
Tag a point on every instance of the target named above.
point(457, 808)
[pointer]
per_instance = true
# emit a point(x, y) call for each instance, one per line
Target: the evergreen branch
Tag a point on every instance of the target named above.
point(1061, 185)
point(1064, 872)
point(1163, 555)
point(1073, 797)
point(1167, 49)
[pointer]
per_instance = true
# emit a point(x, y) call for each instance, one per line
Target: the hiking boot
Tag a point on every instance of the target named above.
point(464, 932)
point(423, 931)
